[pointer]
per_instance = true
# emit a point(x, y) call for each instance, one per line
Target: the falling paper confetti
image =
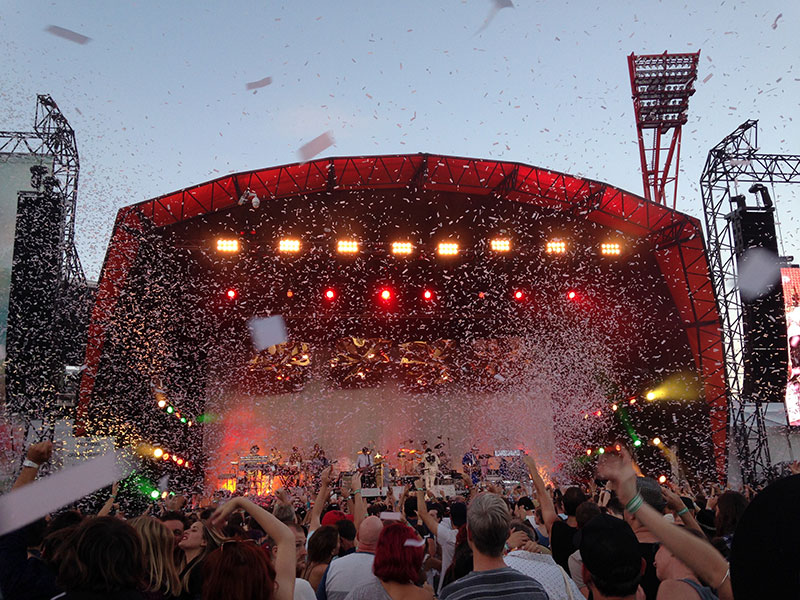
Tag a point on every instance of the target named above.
point(68, 34)
point(315, 146)
point(775, 23)
point(267, 331)
point(254, 85)
point(759, 271)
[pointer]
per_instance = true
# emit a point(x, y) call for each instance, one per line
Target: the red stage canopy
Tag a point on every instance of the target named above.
point(675, 238)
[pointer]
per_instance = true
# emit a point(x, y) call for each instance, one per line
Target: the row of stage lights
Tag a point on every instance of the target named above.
point(405, 248)
point(637, 443)
point(387, 296)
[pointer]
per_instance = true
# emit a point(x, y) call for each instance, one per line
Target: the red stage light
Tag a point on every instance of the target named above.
point(386, 294)
point(231, 294)
point(572, 295)
point(179, 461)
point(519, 295)
point(427, 294)
point(330, 294)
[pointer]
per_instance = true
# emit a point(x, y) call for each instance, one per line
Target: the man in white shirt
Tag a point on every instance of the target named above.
point(542, 568)
point(345, 574)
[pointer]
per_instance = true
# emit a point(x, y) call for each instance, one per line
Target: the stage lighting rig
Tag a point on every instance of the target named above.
point(500, 245)
point(447, 249)
point(610, 249)
point(289, 246)
point(228, 246)
point(556, 247)
point(347, 246)
point(402, 248)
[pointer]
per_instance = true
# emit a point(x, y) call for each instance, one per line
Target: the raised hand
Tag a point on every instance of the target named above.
point(618, 469)
point(40, 453)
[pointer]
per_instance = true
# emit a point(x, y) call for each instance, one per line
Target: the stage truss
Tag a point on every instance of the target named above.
point(733, 162)
point(661, 85)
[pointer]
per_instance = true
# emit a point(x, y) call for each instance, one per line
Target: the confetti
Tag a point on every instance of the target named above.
point(315, 146)
point(68, 34)
point(254, 85)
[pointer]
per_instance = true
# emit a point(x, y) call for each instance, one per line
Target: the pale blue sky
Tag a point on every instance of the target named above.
point(158, 97)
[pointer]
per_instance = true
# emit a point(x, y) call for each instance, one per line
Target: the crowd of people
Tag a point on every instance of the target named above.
point(629, 538)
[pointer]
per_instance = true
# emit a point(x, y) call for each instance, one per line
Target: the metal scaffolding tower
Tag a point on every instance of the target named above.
point(734, 162)
point(661, 85)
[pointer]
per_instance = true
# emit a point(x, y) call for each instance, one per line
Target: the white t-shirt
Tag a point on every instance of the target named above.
point(544, 569)
point(348, 573)
point(446, 537)
point(303, 590)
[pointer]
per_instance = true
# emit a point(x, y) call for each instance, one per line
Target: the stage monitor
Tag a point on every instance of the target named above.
point(790, 276)
point(15, 176)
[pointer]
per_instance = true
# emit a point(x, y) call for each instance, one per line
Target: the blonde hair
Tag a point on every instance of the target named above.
point(214, 539)
point(158, 543)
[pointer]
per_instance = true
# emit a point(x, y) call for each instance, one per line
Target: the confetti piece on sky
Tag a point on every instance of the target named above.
point(709, 76)
point(68, 34)
point(315, 146)
point(775, 22)
point(759, 271)
point(254, 85)
point(267, 331)
point(31, 502)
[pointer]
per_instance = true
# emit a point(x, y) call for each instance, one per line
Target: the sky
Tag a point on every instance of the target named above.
point(158, 96)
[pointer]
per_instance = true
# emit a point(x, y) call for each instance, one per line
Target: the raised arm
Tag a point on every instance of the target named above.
point(549, 515)
point(697, 554)
point(38, 454)
point(359, 506)
point(322, 498)
point(106, 509)
point(676, 503)
point(286, 557)
point(423, 514)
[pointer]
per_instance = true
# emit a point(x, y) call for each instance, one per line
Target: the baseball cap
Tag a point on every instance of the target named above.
point(526, 503)
point(610, 551)
point(332, 516)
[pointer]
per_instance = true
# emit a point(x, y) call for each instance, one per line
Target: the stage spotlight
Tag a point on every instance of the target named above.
point(588, 452)
point(501, 245)
point(162, 403)
point(227, 245)
point(448, 248)
point(165, 456)
point(637, 443)
point(656, 441)
point(154, 494)
point(662, 479)
point(402, 247)
point(610, 249)
point(188, 465)
point(179, 461)
point(632, 401)
point(231, 294)
point(571, 295)
point(330, 294)
point(347, 246)
point(614, 407)
point(289, 245)
point(385, 294)
point(556, 247)
point(158, 453)
point(519, 295)
point(601, 450)
point(651, 395)
point(289, 294)
point(170, 410)
point(427, 294)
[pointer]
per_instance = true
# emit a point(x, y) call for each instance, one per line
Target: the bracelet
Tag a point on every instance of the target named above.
point(634, 503)
point(683, 511)
point(354, 492)
point(724, 579)
point(29, 463)
point(420, 489)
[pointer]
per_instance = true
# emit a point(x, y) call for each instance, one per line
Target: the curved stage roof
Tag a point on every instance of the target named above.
point(674, 238)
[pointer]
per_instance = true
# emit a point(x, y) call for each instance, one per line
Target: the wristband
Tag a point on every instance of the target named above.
point(420, 489)
point(634, 503)
point(29, 463)
point(354, 492)
point(683, 511)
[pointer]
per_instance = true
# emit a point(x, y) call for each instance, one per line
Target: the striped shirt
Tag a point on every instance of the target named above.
point(506, 583)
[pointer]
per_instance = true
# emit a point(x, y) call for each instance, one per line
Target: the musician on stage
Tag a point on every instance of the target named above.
point(295, 457)
point(365, 464)
point(470, 464)
point(254, 450)
point(430, 468)
point(275, 455)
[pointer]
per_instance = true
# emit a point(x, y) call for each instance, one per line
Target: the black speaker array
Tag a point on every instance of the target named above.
point(765, 346)
point(34, 368)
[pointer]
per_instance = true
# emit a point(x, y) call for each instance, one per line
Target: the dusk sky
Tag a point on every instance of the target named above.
point(159, 101)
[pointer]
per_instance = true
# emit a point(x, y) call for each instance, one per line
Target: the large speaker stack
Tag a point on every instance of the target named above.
point(35, 368)
point(765, 347)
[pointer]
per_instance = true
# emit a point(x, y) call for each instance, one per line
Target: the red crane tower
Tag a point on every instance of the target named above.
point(661, 86)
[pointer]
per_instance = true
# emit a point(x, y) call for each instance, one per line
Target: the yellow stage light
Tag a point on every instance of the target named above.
point(650, 395)
point(656, 441)
point(448, 249)
point(347, 246)
point(556, 247)
point(402, 247)
point(610, 249)
point(227, 245)
point(289, 245)
point(662, 479)
point(158, 453)
point(501, 245)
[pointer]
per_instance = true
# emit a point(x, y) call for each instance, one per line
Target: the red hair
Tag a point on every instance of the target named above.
point(394, 560)
point(238, 571)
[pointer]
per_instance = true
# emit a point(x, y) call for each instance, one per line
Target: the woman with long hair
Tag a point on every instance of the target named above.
point(197, 543)
point(242, 570)
point(158, 543)
point(322, 547)
point(397, 565)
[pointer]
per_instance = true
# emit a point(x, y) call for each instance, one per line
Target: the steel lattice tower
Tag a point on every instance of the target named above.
point(661, 85)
